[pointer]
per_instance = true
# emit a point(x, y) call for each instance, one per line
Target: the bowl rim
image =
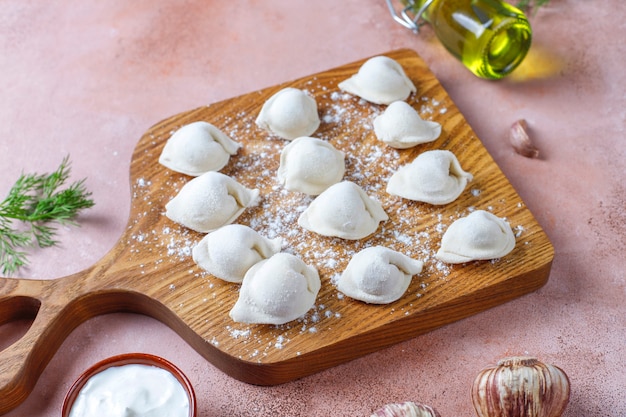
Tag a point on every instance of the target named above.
point(128, 359)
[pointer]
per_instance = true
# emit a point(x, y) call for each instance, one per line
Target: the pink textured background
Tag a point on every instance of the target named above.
point(87, 78)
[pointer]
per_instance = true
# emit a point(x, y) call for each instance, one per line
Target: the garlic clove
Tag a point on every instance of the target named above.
point(406, 409)
point(521, 387)
point(518, 136)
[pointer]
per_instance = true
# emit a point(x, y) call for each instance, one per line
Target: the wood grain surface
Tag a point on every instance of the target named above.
point(150, 270)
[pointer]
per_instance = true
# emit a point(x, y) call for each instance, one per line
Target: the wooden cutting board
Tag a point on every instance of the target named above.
point(150, 270)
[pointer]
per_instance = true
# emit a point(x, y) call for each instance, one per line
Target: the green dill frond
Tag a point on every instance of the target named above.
point(37, 202)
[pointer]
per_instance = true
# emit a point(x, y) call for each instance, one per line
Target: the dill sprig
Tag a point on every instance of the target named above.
point(36, 202)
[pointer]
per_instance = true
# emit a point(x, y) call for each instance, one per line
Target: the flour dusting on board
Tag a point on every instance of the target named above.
point(414, 229)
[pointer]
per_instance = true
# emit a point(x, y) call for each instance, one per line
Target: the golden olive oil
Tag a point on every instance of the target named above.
point(490, 37)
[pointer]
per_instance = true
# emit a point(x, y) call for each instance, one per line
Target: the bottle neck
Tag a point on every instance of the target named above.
point(420, 8)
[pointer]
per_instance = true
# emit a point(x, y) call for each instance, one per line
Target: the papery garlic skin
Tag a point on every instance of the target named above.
point(521, 387)
point(406, 409)
point(518, 136)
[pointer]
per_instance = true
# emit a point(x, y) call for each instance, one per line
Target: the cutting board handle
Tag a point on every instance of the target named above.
point(55, 307)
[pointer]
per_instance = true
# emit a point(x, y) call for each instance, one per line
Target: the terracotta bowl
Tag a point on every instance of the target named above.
point(126, 359)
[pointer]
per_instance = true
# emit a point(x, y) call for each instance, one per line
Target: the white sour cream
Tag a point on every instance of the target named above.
point(132, 391)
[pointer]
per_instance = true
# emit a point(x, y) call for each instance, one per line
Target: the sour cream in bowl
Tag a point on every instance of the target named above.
point(131, 385)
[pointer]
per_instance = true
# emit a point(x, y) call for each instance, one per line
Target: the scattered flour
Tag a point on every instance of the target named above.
point(413, 228)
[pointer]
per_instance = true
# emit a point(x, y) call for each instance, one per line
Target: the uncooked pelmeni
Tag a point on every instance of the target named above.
point(434, 177)
point(276, 291)
point(380, 80)
point(480, 235)
point(400, 126)
point(228, 252)
point(290, 113)
point(378, 275)
point(210, 201)
point(344, 210)
point(310, 165)
point(197, 148)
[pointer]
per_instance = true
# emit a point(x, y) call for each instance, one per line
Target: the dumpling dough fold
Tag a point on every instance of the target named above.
point(380, 80)
point(197, 148)
point(479, 236)
point(276, 291)
point(290, 113)
point(210, 201)
point(310, 165)
point(228, 252)
point(378, 275)
point(434, 177)
point(344, 210)
point(400, 126)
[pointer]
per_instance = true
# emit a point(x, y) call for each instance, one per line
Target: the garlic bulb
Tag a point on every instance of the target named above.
point(520, 387)
point(407, 409)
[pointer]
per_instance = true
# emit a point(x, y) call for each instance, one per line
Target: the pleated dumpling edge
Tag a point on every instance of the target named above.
point(310, 165)
point(343, 210)
point(380, 80)
point(230, 251)
point(289, 114)
point(197, 148)
point(434, 177)
point(400, 126)
point(481, 235)
point(210, 201)
point(276, 291)
point(378, 275)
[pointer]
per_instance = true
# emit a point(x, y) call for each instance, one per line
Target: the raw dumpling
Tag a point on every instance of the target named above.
point(478, 236)
point(378, 275)
point(197, 148)
point(310, 165)
point(380, 80)
point(228, 252)
point(434, 177)
point(209, 202)
point(276, 290)
point(401, 127)
point(344, 210)
point(290, 113)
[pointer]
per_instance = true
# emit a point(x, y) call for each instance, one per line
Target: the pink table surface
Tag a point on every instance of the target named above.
point(88, 78)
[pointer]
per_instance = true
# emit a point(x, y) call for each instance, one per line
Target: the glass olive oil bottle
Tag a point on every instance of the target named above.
point(490, 37)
